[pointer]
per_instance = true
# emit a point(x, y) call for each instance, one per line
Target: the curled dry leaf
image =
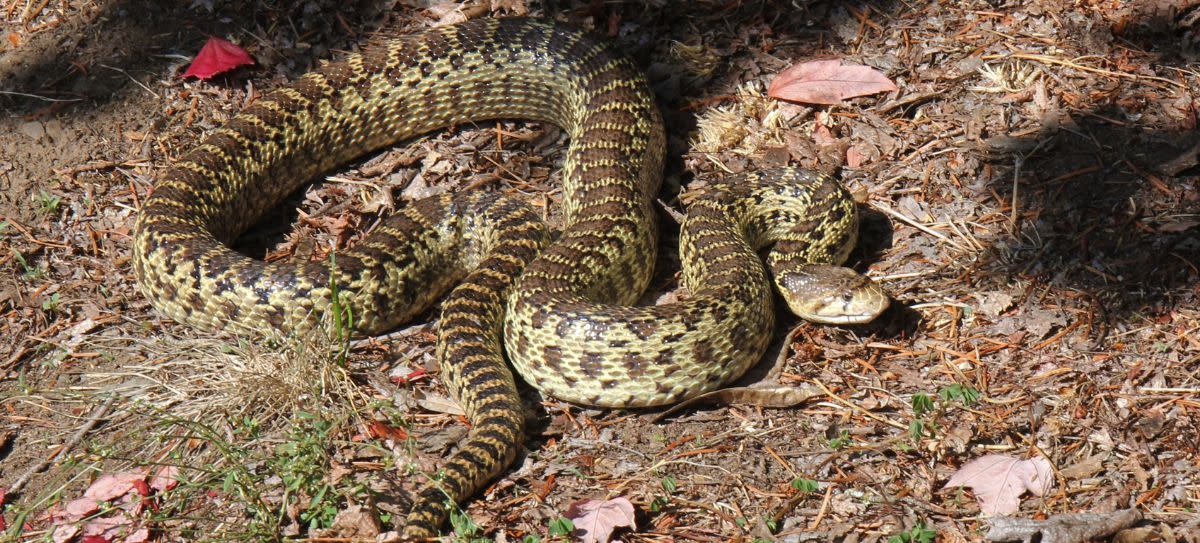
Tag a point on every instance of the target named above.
point(217, 56)
point(827, 82)
point(998, 480)
point(595, 520)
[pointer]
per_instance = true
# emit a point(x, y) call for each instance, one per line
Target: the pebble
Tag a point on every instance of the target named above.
point(55, 130)
point(33, 129)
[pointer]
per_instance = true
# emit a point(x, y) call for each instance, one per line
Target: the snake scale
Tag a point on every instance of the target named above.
point(565, 322)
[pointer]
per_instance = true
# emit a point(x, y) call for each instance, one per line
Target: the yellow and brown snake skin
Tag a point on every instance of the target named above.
point(566, 324)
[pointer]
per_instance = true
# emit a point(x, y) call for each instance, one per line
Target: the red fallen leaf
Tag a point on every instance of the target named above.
point(108, 487)
point(217, 56)
point(595, 520)
point(386, 431)
point(412, 376)
point(144, 491)
point(108, 528)
point(166, 478)
point(79, 508)
point(95, 539)
point(64, 533)
point(827, 82)
point(3, 494)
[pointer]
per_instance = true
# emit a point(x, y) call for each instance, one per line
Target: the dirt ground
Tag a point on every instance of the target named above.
point(1032, 203)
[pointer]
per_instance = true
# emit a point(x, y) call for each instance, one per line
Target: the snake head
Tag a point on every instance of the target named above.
point(829, 294)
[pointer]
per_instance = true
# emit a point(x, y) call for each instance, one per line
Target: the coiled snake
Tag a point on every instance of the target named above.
point(567, 326)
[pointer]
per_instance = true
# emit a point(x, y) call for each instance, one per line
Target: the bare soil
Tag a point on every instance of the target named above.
point(1032, 202)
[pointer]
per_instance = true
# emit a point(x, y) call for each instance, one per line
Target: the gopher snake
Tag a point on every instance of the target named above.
point(567, 329)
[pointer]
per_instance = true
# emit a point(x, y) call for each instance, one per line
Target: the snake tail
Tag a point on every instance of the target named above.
point(471, 359)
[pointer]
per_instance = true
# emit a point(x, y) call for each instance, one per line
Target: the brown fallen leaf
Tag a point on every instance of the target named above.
point(595, 520)
point(828, 82)
point(998, 480)
point(353, 522)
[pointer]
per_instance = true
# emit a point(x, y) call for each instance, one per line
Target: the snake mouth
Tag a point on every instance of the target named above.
point(847, 318)
point(859, 307)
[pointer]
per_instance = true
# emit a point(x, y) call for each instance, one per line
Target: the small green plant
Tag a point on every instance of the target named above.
point(917, 534)
point(916, 429)
point(807, 486)
point(342, 315)
point(232, 475)
point(302, 462)
point(247, 427)
point(967, 395)
point(841, 441)
point(669, 485)
point(31, 272)
point(561, 527)
point(465, 529)
point(922, 404)
point(47, 203)
point(50, 304)
point(926, 411)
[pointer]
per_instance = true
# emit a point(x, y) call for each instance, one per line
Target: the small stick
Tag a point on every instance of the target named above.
point(824, 509)
point(28, 16)
point(29, 235)
point(864, 412)
point(91, 422)
point(1015, 214)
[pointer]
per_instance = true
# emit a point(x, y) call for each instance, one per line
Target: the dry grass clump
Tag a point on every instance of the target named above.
point(752, 121)
point(200, 376)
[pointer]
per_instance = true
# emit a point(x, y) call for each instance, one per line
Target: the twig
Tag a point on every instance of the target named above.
point(1063, 528)
point(1015, 214)
point(31, 13)
point(1185, 160)
point(91, 422)
point(37, 97)
point(865, 413)
point(824, 509)
point(1071, 64)
point(131, 78)
point(909, 99)
point(72, 171)
point(913, 223)
point(29, 235)
point(706, 507)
